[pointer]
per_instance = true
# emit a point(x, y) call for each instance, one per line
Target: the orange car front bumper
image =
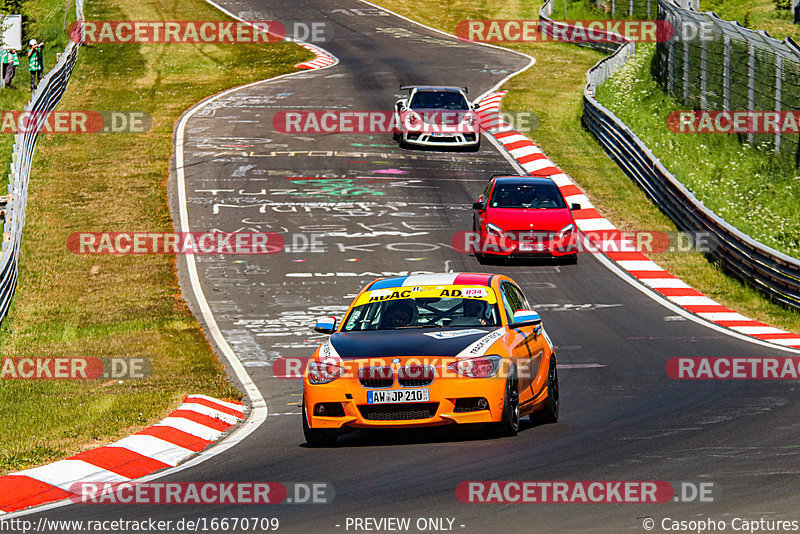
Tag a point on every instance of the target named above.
point(440, 409)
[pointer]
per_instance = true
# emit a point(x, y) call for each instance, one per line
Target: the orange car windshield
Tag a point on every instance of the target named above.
point(421, 309)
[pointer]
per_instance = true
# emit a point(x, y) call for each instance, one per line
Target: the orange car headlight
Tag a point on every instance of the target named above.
point(481, 367)
point(324, 372)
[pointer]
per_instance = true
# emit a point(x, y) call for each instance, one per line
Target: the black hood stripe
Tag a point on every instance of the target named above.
point(391, 343)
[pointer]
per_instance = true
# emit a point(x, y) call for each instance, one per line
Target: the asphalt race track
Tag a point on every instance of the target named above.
point(387, 210)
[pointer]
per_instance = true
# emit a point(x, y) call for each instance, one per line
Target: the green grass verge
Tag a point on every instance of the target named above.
point(753, 14)
point(756, 191)
point(757, 15)
point(68, 305)
point(553, 88)
point(577, 10)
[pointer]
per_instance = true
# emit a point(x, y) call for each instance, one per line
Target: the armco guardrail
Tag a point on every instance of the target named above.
point(44, 100)
point(774, 273)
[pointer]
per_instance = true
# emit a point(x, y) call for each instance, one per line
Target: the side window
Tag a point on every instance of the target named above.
point(521, 298)
point(487, 192)
point(511, 300)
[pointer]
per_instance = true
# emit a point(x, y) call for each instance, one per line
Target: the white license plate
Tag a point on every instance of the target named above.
point(393, 396)
point(531, 247)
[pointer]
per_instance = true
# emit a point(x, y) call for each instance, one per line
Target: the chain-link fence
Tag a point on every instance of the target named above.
point(638, 9)
point(713, 64)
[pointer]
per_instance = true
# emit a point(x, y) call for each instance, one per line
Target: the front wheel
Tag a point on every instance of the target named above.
point(551, 405)
point(318, 437)
point(509, 425)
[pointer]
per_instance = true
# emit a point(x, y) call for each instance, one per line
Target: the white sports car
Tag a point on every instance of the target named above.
point(437, 116)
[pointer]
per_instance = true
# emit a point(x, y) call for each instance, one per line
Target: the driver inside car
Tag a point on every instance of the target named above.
point(397, 315)
point(476, 309)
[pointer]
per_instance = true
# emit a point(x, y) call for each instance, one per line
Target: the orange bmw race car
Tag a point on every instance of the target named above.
point(427, 350)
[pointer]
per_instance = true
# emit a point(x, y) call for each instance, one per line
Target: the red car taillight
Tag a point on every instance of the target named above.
point(324, 372)
point(482, 367)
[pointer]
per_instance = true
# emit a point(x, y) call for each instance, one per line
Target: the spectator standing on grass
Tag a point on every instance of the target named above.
point(35, 63)
point(3, 61)
point(9, 70)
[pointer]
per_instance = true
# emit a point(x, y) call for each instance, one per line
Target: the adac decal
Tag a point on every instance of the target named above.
point(471, 292)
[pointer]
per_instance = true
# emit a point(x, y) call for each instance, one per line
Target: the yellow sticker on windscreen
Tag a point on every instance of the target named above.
point(428, 292)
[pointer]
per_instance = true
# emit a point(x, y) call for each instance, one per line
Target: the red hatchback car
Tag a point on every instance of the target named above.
point(524, 216)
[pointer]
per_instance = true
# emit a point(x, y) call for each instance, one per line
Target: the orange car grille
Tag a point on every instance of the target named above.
point(399, 412)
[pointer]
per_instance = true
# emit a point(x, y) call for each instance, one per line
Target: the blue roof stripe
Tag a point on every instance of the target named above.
point(388, 283)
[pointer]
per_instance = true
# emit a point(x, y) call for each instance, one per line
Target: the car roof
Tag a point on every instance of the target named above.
point(437, 279)
point(524, 180)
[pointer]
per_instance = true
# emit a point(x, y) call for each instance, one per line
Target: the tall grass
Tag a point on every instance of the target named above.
point(754, 190)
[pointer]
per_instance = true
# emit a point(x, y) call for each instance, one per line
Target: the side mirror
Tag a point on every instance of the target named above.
point(400, 105)
point(575, 206)
point(476, 107)
point(526, 318)
point(478, 206)
point(325, 325)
